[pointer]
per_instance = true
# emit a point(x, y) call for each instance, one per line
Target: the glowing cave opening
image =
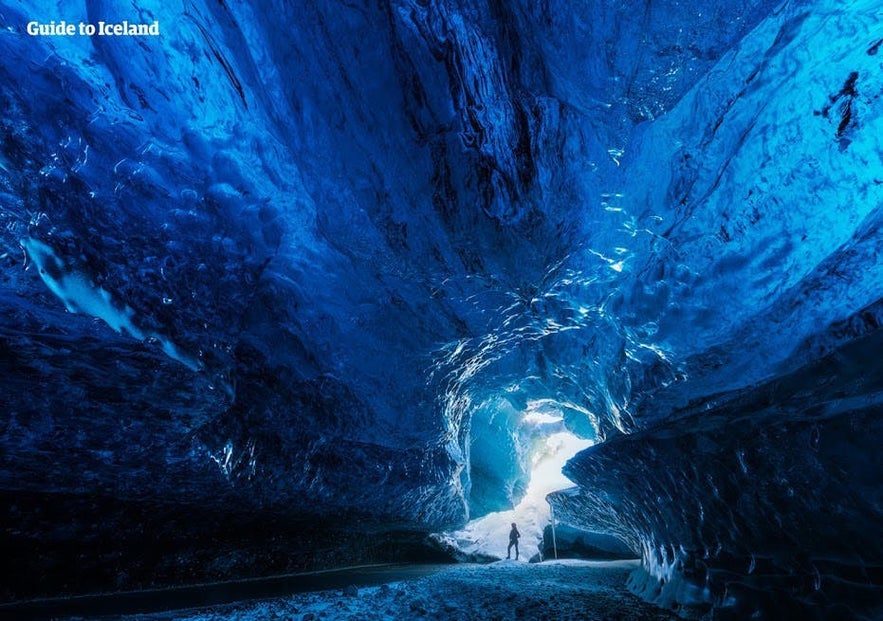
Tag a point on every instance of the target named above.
point(549, 445)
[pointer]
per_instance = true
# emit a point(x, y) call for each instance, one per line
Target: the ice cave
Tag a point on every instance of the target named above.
point(301, 286)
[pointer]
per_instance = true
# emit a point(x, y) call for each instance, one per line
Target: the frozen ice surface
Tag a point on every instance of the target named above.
point(489, 535)
point(565, 590)
point(293, 285)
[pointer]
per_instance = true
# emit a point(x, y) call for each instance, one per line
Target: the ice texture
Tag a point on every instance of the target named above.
point(747, 483)
point(304, 270)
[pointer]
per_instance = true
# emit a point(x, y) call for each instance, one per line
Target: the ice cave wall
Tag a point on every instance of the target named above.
point(755, 476)
point(279, 257)
point(356, 228)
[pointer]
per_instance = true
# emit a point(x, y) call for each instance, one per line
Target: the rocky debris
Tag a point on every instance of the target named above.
point(568, 590)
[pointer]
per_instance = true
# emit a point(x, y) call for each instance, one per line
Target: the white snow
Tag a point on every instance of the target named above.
point(490, 534)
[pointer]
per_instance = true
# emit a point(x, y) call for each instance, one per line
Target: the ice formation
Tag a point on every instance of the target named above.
point(293, 284)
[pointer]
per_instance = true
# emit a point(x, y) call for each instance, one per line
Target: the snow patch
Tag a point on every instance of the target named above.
point(489, 535)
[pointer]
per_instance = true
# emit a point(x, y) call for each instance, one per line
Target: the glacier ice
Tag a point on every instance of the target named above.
point(542, 445)
point(79, 294)
point(303, 280)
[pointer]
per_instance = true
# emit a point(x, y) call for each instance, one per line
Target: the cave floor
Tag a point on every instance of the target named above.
point(566, 589)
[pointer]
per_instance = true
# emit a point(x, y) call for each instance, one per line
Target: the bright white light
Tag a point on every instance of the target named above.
point(490, 534)
point(541, 418)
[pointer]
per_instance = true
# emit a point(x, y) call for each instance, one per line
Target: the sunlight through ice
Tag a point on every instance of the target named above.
point(490, 534)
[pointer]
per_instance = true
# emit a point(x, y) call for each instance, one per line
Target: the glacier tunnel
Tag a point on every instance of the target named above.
point(292, 285)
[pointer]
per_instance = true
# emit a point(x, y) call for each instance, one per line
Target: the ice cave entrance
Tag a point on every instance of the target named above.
point(545, 445)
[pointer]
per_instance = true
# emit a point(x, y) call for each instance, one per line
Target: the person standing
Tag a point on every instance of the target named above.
point(514, 535)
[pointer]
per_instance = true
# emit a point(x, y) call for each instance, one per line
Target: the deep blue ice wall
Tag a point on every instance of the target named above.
point(759, 194)
point(324, 235)
point(278, 259)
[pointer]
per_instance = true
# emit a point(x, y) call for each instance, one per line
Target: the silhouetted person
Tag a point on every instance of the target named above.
point(513, 541)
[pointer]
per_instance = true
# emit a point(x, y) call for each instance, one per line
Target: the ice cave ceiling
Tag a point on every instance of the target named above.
point(292, 258)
